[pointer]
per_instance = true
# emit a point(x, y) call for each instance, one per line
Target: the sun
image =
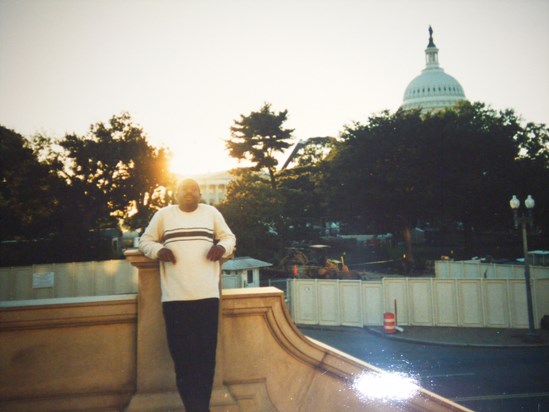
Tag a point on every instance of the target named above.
point(200, 160)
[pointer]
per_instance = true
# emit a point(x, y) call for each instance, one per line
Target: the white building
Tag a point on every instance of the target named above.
point(213, 186)
point(433, 89)
point(242, 272)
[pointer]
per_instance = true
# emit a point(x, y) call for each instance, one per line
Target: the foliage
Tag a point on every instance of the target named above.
point(27, 190)
point(533, 170)
point(402, 169)
point(312, 152)
point(448, 169)
point(304, 209)
point(113, 174)
point(533, 141)
point(253, 210)
point(258, 137)
point(68, 196)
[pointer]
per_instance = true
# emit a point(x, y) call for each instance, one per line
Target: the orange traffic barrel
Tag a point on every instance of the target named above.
point(389, 322)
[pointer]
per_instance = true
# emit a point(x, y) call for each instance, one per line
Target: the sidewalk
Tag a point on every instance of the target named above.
point(478, 337)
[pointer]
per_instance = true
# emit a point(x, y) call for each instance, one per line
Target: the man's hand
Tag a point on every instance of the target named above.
point(215, 253)
point(166, 255)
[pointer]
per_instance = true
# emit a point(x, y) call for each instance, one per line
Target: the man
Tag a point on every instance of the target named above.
point(189, 239)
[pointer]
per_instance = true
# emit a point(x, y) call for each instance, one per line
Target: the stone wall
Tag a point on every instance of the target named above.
point(110, 354)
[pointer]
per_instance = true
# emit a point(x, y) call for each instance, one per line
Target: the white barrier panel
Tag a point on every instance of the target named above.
point(21, 282)
point(496, 303)
point(442, 269)
point(372, 303)
point(85, 273)
point(351, 303)
point(396, 299)
point(305, 301)
point(473, 270)
point(328, 302)
point(496, 306)
point(421, 302)
point(470, 303)
point(445, 303)
point(74, 279)
point(519, 314)
point(65, 279)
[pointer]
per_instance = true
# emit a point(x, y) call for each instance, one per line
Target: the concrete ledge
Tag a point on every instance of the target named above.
point(68, 355)
point(269, 364)
point(66, 301)
point(111, 355)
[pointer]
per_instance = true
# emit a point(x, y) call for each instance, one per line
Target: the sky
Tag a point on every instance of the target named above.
point(187, 69)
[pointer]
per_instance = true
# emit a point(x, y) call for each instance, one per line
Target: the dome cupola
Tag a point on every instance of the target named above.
point(433, 89)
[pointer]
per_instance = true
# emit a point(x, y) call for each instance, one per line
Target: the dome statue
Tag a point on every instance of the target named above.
point(433, 89)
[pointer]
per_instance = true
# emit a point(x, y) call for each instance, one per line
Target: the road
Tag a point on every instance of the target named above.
point(482, 379)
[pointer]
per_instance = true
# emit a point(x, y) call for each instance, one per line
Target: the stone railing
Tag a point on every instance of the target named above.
point(67, 354)
point(112, 356)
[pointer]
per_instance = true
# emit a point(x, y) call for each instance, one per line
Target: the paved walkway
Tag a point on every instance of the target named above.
point(483, 337)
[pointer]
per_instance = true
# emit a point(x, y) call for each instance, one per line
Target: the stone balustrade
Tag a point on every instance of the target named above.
point(110, 354)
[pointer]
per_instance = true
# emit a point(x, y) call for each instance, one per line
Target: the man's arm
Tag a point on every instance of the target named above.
point(150, 241)
point(225, 237)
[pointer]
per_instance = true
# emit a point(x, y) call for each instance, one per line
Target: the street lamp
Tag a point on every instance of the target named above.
point(523, 220)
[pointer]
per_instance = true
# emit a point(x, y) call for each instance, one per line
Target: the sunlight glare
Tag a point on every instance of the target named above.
point(199, 160)
point(385, 387)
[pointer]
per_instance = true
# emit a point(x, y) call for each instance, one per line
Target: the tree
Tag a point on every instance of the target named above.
point(303, 209)
point(27, 191)
point(533, 140)
point(65, 192)
point(373, 185)
point(114, 174)
point(254, 211)
point(258, 137)
point(446, 167)
point(533, 175)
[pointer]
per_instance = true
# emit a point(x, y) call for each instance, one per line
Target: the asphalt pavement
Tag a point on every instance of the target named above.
point(457, 336)
point(443, 360)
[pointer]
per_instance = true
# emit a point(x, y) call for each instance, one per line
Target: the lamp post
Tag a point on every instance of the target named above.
point(523, 220)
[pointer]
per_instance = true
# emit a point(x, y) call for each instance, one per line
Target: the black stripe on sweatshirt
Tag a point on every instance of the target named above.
point(187, 234)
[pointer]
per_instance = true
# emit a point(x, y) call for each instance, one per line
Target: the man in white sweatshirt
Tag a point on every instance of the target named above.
point(189, 239)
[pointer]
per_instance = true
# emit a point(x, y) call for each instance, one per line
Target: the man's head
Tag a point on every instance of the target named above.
point(188, 195)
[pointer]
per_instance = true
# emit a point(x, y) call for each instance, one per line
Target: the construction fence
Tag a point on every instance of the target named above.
point(497, 303)
point(467, 301)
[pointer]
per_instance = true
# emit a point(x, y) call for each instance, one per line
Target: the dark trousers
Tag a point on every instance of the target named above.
point(191, 328)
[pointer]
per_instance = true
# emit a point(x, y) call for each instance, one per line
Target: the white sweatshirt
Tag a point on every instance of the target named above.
point(189, 235)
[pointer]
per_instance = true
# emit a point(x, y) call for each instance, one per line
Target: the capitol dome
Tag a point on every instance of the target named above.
point(433, 89)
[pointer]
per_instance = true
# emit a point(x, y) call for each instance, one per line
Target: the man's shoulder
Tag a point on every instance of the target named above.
point(205, 208)
point(166, 209)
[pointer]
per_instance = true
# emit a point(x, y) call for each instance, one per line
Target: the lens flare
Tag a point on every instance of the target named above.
point(385, 386)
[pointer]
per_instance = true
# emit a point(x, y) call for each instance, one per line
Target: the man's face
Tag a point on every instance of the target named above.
point(188, 195)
